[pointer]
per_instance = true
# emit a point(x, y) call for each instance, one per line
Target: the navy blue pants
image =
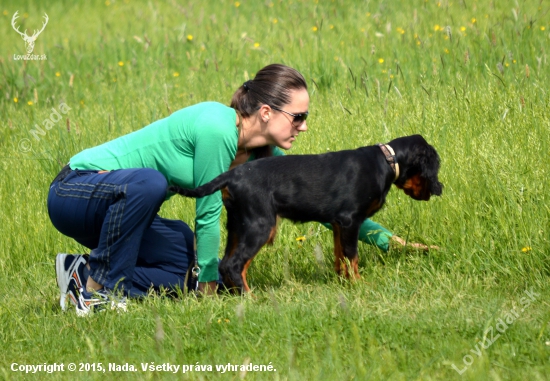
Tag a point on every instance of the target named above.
point(115, 215)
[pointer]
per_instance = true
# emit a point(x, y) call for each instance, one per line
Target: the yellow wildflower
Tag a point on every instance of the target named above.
point(380, 60)
point(189, 37)
point(120, 63)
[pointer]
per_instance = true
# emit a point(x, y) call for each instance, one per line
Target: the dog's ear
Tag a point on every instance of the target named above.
point(429, 163)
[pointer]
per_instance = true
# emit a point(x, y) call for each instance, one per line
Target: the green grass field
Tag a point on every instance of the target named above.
point(470, 76)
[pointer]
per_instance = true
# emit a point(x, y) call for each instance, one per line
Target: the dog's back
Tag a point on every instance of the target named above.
point(309, 187)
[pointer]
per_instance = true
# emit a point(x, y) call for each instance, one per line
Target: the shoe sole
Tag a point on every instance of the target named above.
point(61, 281)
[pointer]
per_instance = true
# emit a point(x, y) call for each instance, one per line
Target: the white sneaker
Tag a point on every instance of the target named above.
point(69, 269)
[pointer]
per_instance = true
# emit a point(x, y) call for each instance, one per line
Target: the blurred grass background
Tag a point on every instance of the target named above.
point(471, 76)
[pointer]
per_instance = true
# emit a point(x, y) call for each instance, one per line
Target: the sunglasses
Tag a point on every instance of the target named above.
point(298, 120)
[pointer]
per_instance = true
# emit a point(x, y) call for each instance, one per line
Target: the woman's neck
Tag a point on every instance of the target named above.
point(252, 134)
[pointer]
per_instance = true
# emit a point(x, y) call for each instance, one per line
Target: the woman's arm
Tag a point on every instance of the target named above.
point(215, 146)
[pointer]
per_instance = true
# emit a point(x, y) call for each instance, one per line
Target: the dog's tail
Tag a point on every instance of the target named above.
point(205, 189)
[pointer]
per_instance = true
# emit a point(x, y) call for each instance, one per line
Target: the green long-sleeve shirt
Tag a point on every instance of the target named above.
point(191, 147)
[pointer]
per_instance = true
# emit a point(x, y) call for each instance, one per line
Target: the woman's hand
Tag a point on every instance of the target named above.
point(401, 243)
point(208, 288)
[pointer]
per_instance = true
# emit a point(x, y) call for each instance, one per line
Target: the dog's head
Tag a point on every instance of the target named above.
point(418, 165)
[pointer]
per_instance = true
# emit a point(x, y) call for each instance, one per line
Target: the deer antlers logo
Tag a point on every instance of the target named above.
point(29, 40)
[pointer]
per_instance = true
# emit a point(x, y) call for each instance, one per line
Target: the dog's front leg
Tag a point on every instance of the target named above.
point(345, 250)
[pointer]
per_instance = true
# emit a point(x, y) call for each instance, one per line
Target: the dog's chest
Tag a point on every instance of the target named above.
point(374, 206)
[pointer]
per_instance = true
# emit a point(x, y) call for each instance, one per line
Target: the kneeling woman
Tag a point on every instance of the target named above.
point(107, 198)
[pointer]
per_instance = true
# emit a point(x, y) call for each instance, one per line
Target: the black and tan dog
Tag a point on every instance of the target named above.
point(342, 188)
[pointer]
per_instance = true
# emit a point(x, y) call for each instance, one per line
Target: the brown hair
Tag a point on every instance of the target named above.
point(271, 86)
